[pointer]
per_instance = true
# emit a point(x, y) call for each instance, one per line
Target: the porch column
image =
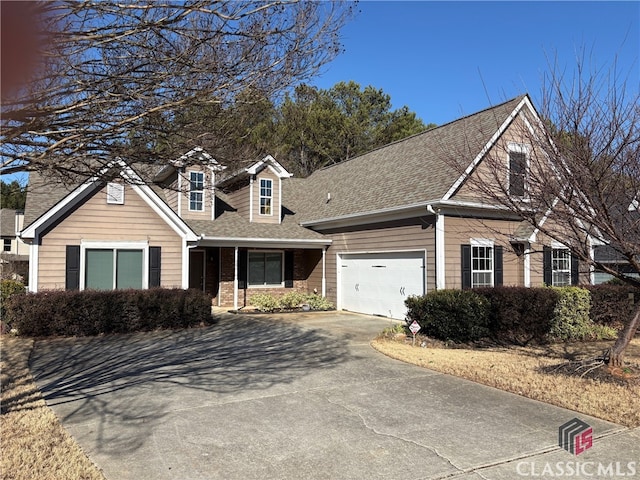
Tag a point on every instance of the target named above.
point(235, 278)
point(324, 269)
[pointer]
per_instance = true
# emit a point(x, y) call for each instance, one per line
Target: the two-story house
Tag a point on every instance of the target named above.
point(14, 258)
point(368, 232)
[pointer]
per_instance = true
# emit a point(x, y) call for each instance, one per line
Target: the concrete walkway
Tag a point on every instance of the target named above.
point(299, 397)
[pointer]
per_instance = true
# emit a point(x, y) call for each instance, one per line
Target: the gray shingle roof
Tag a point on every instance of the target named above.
point(411, 171)
point(43, 192)
point(7, 222)
point(232, 225)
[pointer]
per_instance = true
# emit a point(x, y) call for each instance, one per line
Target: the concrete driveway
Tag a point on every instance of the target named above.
point(298, 397)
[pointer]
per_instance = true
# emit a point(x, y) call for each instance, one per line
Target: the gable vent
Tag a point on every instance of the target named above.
point(115, 193)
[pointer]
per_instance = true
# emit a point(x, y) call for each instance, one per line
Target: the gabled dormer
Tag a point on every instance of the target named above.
point(256, 191)
point(189, 184)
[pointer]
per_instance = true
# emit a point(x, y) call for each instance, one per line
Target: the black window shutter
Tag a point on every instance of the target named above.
point(497, 268)
point(546, 266)
point(575, 272)
point(154, 266)
point(242, 269)
point(288, 269)
point(72, 267)
point(465, 260)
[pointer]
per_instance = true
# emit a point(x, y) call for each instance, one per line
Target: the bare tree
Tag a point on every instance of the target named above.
point(110, 71)
point(581, 184)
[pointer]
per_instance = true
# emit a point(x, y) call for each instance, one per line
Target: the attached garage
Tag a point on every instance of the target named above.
point(379, 283)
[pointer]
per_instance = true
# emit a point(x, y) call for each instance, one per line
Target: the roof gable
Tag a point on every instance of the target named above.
point(61, 202)
point(412, 172)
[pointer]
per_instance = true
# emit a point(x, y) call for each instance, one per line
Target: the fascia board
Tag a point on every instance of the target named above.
point(472, 166)
point(264, 242)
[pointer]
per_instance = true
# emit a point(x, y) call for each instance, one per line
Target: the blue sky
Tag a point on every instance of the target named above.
point(448, 59)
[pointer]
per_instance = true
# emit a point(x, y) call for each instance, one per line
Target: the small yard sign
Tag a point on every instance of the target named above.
point(415, 328)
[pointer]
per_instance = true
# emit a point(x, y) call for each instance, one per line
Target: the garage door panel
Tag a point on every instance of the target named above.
point(379, 283)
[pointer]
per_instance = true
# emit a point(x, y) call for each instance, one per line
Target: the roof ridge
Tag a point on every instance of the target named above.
point(428, 130)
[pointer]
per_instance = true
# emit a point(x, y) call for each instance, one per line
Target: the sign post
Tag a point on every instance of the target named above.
point(415, 328)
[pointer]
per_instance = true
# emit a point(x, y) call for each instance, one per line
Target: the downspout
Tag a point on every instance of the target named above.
point(440, 254)
point(251, 199)
point(324, 270)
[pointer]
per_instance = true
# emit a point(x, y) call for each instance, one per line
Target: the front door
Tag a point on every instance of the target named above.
point(196, 269)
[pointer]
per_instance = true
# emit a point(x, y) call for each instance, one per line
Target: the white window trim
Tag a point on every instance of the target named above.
point(260, 197)
point(115, 193)
point(513, 147)
point(483, 242)
point(555, 246)
point(204, 181)
point(273, 285)
point(115, 245)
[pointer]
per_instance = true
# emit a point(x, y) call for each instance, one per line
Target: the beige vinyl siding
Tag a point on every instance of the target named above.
point(493, 171)
point(460, 231)
point(240, 201)
point(402, 235)
point(171, 192)
point(96, 220)
point(267, 174)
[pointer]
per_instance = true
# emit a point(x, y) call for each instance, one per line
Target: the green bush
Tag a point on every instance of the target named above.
point(451, 315)
point(520, 315)
point(613, 305)
point(9, 288)
point(570, 319)
point(291, 300)
point(266, 302)
point(318, 302)
point(92, 312)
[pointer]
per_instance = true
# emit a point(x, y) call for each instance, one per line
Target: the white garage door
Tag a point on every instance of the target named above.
point(379, 283)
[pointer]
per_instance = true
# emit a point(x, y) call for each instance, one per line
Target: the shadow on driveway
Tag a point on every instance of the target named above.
point(135, 380)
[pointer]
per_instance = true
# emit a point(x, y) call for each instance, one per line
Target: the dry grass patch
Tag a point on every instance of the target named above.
point(34, 444)
point(552, 374)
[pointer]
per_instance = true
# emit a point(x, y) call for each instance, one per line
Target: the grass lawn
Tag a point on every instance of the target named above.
point(34, 444)
point(559, 374)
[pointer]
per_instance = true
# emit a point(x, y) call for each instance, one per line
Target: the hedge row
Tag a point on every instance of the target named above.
point(92, 312)
point(518, 315)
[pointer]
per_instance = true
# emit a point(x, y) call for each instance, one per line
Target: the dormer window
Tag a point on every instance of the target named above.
point(517, 170)
point(266, 196)
point(196, 191)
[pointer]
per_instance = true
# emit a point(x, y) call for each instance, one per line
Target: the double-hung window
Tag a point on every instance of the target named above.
point(265, 269)
point(560, 267)
point(266, 196)
point(481, 266)
point(196, 191)
point(6, 244)
point(114, 268)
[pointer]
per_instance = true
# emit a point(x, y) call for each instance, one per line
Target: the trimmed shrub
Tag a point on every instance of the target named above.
point(9, 288)
point(266, 302)
point(570, 319)
point(92, 312)
point(613, 305)
point(520, 315)
point(451, 315)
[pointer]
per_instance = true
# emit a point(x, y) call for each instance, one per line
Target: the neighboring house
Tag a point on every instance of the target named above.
point(14, 257)
point(368, 232)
